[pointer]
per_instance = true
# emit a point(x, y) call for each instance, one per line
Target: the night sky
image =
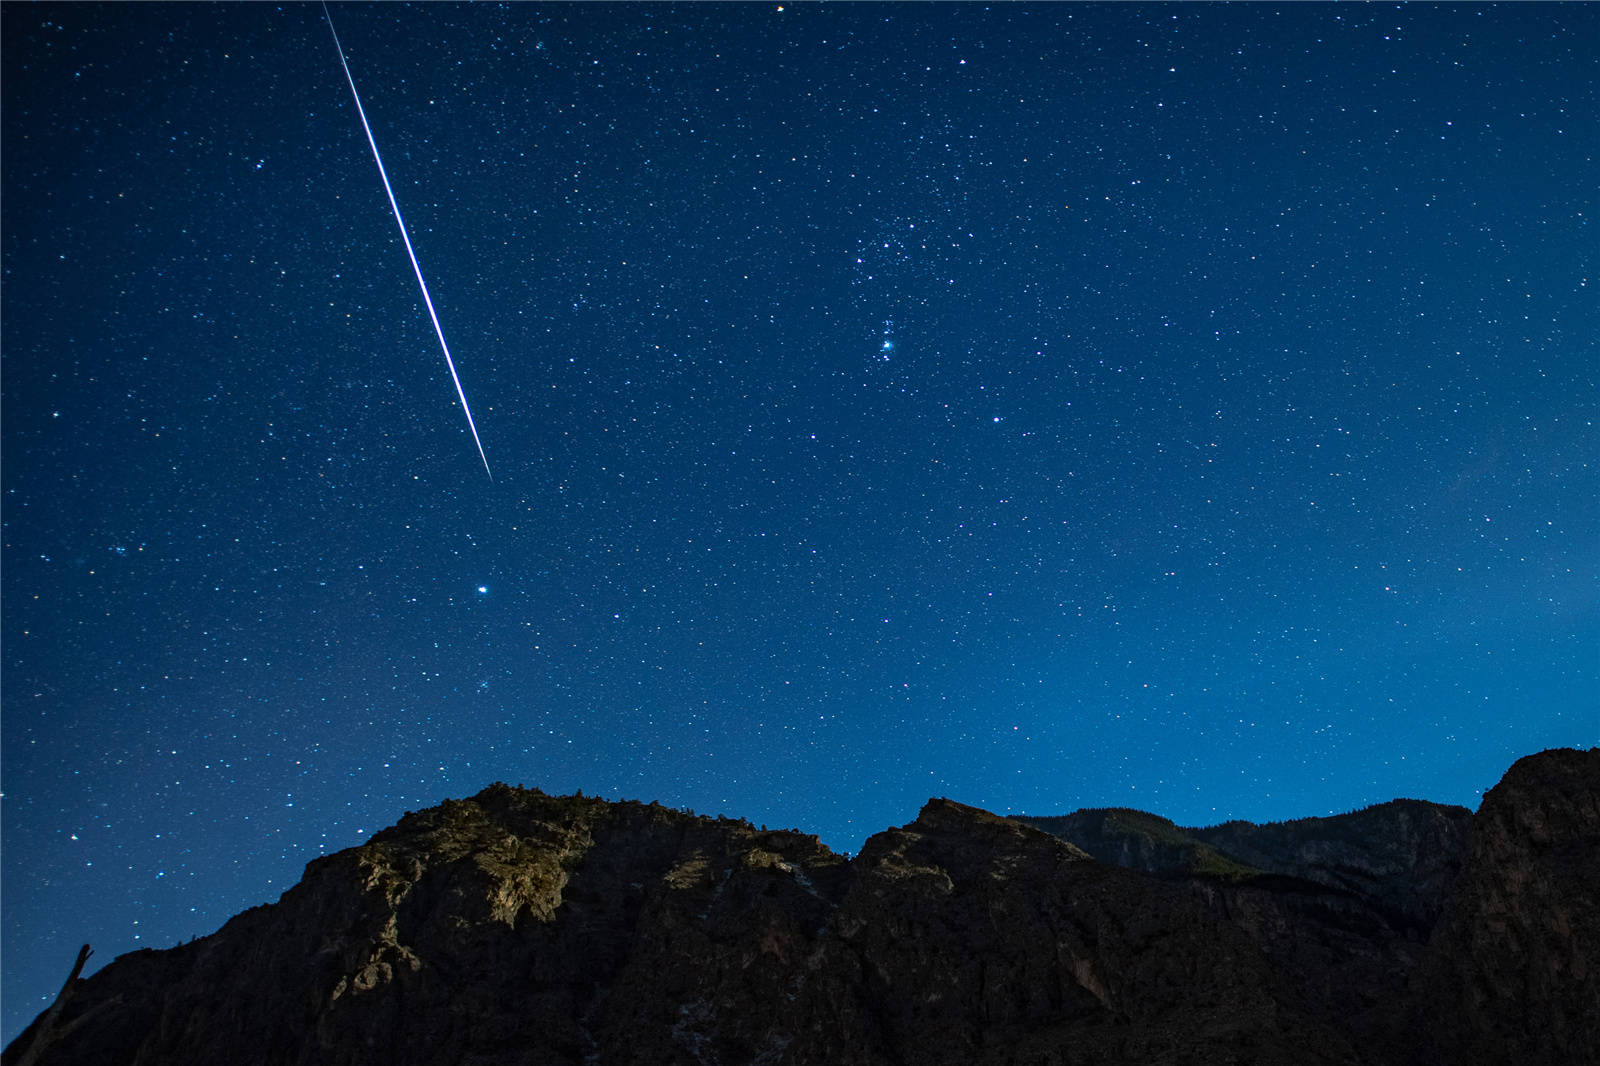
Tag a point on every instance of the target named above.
point(1190, 408)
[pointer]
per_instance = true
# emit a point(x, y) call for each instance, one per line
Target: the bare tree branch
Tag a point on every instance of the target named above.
point(46, 1034)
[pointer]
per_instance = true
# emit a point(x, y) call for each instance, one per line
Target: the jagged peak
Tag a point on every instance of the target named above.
point(575, 927)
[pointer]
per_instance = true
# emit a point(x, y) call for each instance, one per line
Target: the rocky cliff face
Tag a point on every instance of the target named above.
point(1513, 971)
point(1401, 857)
point(517, 927)
point(1341, 907)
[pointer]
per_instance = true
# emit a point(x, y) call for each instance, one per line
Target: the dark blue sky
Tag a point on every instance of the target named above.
point(1190, 408)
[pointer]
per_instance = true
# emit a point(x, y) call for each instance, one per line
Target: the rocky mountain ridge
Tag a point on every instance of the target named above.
point(517, 927)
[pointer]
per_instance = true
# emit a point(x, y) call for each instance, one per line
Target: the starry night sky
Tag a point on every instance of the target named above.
point(1190, 408)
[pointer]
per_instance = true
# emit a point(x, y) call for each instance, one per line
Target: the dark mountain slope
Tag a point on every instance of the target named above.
point(1513, 971)
point(1341, 906)
point(516, 927)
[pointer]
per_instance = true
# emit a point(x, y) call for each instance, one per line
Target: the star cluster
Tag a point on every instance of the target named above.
point(1182, 407)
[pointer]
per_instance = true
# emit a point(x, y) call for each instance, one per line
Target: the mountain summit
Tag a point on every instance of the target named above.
point(518, 927)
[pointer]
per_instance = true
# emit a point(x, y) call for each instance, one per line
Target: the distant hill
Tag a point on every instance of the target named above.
point(518, 927)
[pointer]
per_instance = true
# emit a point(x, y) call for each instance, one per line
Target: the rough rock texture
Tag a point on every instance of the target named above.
point(517, 927)
point(1341, 906)
point(1401, 856)
point(1141, 841)
point(1512, 974)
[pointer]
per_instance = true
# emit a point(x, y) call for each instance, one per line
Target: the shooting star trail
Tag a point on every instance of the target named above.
point(406, 237)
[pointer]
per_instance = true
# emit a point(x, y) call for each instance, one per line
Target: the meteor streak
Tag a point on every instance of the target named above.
point(406, 237)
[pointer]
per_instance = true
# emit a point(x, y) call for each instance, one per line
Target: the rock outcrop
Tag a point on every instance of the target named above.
point(1341, 906)
point(517, 927)
point(1512, 973)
